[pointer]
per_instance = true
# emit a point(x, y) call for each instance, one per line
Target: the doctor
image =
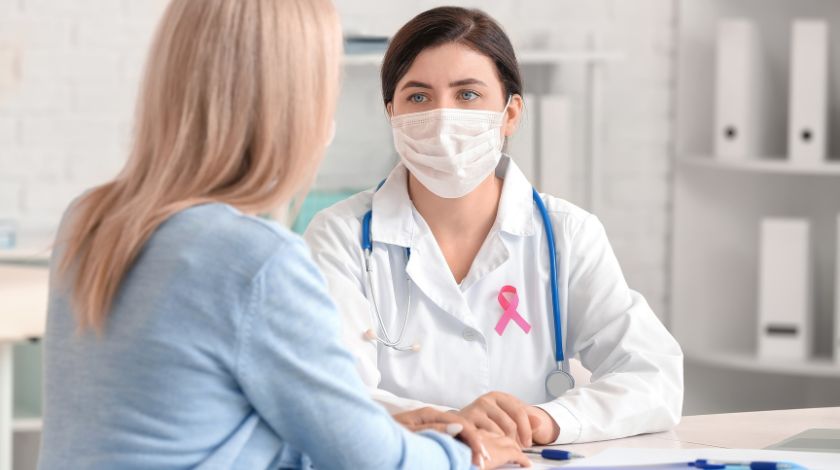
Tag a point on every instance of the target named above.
point(464, 289)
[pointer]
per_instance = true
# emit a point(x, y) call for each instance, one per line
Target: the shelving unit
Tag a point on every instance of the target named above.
point(763, 165)
point(23, 289)
point(817, 367)
point(718, 208)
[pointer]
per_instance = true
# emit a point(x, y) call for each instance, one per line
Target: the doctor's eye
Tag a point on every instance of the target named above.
point(468, 95)
point(418, 98)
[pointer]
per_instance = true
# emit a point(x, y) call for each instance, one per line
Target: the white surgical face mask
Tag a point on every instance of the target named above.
point(450, 151)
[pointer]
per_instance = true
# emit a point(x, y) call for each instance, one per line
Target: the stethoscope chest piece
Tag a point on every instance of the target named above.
point(558, 383)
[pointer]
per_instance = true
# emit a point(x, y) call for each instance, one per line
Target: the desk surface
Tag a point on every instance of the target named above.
point(23, 302)
point(753, 430)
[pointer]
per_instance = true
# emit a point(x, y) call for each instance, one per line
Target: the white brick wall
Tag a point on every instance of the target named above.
point(68, 80)
point(69, 71)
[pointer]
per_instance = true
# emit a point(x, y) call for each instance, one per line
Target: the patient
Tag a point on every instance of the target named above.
point(185, 331)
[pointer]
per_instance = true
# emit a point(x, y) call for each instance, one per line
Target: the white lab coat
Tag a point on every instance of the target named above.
point(636, 365)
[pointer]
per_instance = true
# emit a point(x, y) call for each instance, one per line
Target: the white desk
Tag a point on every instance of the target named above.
point(754, 430)
point(23, 309)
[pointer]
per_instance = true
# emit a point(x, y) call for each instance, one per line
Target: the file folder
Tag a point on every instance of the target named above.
point(739, 88)
point(837, 296)
point(785, 292)
point(807, 125)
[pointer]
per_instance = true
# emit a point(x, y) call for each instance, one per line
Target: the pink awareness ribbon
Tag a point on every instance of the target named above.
point(510, 312)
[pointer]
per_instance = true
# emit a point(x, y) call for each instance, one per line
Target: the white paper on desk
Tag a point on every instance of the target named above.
point(630, 458)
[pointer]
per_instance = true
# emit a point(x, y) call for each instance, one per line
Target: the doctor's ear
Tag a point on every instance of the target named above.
point(389, 107)
point(513, 115)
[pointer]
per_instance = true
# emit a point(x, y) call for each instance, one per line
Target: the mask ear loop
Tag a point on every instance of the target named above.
point(503, 113)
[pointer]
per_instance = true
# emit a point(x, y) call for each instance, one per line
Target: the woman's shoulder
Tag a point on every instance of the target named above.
point(567, 216)
point(220, 235)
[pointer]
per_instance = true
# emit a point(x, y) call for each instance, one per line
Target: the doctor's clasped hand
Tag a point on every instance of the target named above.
point(505, 414)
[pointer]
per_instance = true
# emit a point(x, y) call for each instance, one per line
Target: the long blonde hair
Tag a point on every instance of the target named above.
point(236, 105)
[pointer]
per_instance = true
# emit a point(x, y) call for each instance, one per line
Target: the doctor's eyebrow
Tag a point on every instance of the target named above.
point(415, 84)
point(457, 83)
point(466, 81)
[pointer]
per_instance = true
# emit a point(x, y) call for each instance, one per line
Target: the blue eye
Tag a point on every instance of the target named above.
point(468, 95)
point(417, 98)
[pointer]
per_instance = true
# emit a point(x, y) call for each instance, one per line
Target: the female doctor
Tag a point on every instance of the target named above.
point(464, 289)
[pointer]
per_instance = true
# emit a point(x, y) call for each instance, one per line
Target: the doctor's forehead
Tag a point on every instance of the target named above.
point(445, 65)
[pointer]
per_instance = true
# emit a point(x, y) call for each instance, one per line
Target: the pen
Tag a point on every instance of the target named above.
point(553, 454)
point(714, 465)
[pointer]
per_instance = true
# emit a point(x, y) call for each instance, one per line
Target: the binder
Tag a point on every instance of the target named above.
point(807, 125)
point(785, 292)
point(521, 145)
point(837, 297)
point(739, 86)
point(556, 163)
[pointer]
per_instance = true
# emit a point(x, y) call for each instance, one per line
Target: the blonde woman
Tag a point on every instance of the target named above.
point(184, 331)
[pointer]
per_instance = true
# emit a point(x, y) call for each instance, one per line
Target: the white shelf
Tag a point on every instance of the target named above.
point(26, 419)
point(27, 425)
point(764, 165)
point(815, 367)
point(533, 57)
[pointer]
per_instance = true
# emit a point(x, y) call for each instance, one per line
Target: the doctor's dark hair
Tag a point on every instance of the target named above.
point(470, 27)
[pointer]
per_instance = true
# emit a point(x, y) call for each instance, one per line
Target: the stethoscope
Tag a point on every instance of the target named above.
point(558, 381)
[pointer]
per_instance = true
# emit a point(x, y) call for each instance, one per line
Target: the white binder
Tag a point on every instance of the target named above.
point(837, 297)
point(785, 292)
point(739, 89)
point(808, 107)
point(521, 145)
point(556, 163)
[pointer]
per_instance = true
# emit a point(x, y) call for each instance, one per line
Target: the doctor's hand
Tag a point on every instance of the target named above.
point(543, 427)
point(489, 450)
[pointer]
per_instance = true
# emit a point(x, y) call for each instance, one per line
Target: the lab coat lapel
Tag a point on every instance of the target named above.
point(515, 219)
point(428, 270)
point(397, 223)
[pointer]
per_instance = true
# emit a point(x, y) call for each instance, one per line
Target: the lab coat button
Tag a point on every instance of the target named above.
point(469, 335)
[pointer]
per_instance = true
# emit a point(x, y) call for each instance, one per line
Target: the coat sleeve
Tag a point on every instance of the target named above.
point(637, 366)
point(302, 383)
point(335, 245)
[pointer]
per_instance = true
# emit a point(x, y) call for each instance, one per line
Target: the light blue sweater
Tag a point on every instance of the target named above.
point(222, 352)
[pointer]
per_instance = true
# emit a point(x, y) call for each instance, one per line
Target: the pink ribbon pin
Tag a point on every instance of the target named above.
point(510, 312)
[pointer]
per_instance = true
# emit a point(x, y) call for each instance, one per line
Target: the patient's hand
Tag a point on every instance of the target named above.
point(430, 418)
point(489, 450)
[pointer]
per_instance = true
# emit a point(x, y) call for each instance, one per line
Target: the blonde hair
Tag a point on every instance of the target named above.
point(235, 107)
